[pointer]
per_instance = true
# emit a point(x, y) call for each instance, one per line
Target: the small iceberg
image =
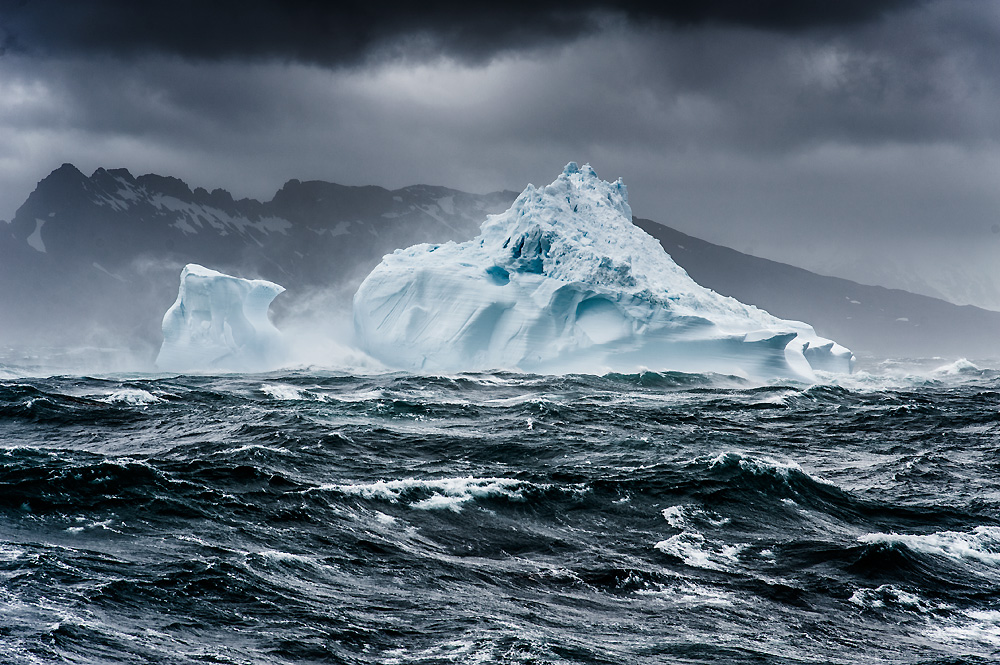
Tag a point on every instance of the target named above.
point(219, 323)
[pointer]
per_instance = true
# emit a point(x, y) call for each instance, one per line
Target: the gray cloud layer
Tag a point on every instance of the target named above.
point(326, 33)
point(845, 142)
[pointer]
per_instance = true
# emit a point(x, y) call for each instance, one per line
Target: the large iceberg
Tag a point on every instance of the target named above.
point(219, 323)
point(564, 282)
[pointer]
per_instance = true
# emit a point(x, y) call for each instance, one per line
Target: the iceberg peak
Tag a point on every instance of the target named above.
point(573, 168)
point(565, 229)
point(563, 281)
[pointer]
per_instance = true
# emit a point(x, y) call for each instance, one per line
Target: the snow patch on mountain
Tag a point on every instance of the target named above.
point(191, 214)
point(35, 239)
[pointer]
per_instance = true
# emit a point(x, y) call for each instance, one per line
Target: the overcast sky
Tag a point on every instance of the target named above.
point(856, 137)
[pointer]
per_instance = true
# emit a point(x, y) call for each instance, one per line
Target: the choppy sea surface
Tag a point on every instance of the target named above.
point(322, 517)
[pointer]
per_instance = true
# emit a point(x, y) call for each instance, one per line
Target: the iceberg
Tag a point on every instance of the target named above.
point(219, 323)
point(564, 282)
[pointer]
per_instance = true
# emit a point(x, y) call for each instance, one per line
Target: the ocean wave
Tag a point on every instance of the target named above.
point(530, 399)
point(689, 594)
point(691, 546)
point(131, 397)
point(961, 367)
point(54, 406)
point(278, 497)
point(762, 466)
point(888, 596)
point(436, 494)
point(970, 625)
point(681, 517)
point(981, 544)
point(892, 375)
point(82, 524)
point(287, 393)
point(697, 551)
point(676, 380)
point(59, 484)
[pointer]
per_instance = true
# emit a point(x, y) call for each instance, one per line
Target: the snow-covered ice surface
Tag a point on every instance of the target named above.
point(564, 282)
point(219, 323)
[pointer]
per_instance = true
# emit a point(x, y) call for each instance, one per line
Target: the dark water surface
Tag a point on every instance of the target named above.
point(313, 517)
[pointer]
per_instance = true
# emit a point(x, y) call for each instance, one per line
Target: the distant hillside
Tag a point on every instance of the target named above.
point(868, 319)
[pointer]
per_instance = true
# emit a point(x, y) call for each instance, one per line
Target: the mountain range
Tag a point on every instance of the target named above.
point(95, 261)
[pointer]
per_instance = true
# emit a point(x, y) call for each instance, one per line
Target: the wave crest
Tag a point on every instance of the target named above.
point(434, 494)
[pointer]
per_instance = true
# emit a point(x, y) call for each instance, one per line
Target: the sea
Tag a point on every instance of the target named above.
point(321, 516)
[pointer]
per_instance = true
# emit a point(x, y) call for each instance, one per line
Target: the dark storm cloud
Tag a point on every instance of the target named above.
point(345, 33)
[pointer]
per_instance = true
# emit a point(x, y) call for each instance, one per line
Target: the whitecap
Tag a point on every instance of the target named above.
point(982, 626)
point(680, 516)
point(888, 595)
point(131, 397)
point(688, 594)
point(383, 518)
point(445, 493)
point(981, 544)
point(960, 367)
point(286, 557)
point(695, 550)
point(763, 466)
point(285, 392)
point(674, 516)
point(9, 552)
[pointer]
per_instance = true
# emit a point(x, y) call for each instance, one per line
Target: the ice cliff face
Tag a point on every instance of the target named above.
point(219, 323)
point(564, 282)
